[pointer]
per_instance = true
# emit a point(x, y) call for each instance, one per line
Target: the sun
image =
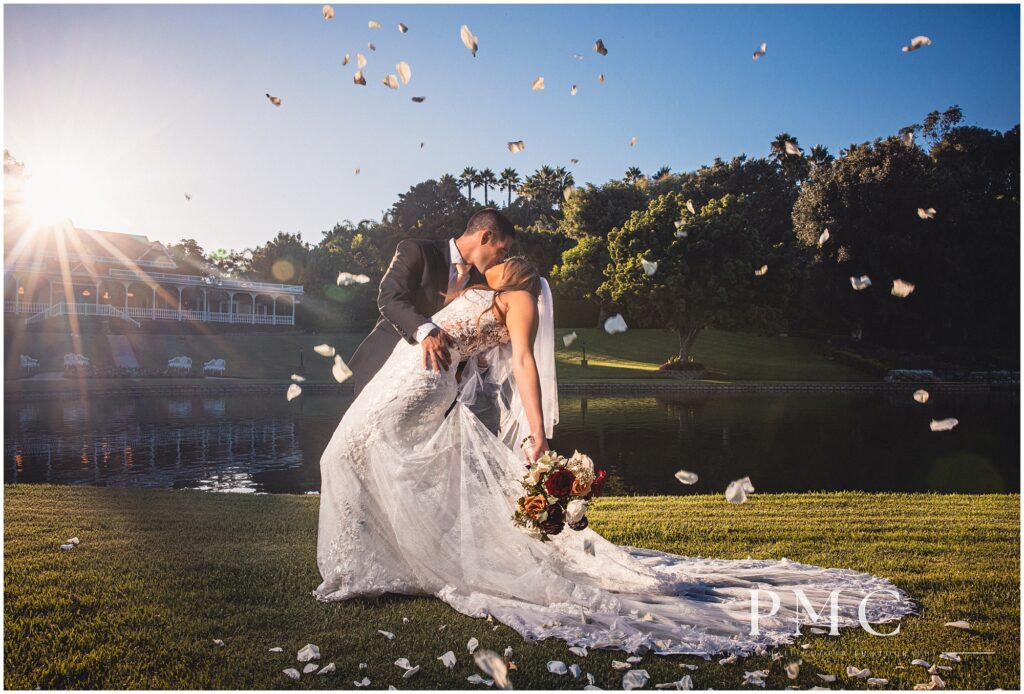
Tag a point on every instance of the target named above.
point(51, 194)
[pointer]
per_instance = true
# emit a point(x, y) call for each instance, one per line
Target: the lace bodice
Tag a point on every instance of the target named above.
point(471, 323)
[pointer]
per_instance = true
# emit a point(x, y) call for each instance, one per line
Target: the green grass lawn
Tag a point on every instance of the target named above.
point(630, 356)
point(159, 574)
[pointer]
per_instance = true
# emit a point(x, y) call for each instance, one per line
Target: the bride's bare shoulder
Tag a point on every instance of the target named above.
point(517, 300)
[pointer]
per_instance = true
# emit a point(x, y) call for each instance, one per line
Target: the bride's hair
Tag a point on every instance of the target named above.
point(518, 274)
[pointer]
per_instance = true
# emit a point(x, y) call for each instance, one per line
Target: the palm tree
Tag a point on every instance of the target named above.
point(820, 156)
point(487, 179)
point(564, 178)
point(633, 175)
point(468, 178)
point(662, 173)
point(509, 181)
point(779, 146)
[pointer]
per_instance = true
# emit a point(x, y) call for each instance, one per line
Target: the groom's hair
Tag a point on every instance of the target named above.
point(489, 219)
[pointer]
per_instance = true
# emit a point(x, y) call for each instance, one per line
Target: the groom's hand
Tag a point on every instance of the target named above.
point(435, 350)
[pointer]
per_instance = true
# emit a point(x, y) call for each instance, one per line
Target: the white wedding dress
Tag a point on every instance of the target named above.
point(415, 501)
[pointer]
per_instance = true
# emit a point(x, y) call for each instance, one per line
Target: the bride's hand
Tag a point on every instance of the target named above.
point(535, 452)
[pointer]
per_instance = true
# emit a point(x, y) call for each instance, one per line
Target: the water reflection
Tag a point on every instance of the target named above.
point(785, 443)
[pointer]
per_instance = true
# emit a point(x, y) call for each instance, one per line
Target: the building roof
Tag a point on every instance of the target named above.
point(90, 245)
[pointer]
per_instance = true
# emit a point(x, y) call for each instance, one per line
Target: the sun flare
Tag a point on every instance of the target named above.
point(53, 195)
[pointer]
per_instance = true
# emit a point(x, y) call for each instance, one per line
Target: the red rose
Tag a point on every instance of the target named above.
point(559, 483)
point(598, 486)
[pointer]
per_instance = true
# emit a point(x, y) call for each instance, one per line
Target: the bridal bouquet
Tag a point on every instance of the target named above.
point(558, 491)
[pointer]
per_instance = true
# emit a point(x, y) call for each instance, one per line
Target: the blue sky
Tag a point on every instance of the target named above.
point(140, 104)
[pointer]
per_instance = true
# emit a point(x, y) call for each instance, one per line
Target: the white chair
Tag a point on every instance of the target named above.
point(183, 363)
point(71, 360)
point(215, 366)
point(28, 363)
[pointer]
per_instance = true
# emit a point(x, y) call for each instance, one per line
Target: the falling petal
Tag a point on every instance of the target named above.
point(791, 148)
point(404, 72)
point(615, 324)
point(619, 665)
point(359, 79)
point(852, 671)
point(588, 547)
point(827, 678)
point(277, 649)
point(294, 391)
point(761, 51)
point(310, 667)
point(728, 660)
point(517, 146)
point(419, 100)
point(472, 644)
point(346, 279)
point(901, 288)
point(477, 679)
point(878, 681)
point(684, 684)
point(345, 60)
point(572, 92)
point(74, 541)
point(328, 12)
point(860, 283)
point(292, 673)
point(274, 100)
point(581, 651)
point(373, 24)
point(599, 47)
point(792, 670)
point(326, 669)
point(959, 625)
point(567, 340)
point(391, 81)
point(365, 682)
point(632, 142)
point(567, 192)
point(600, 78)
point(760, 272)
point(635, 679)
point(926, 213)
point(686, 477)
point(371, 46)
point(818, 630)
point(538, 84)
point(823, 238)
point(650, 266)
point(218, 642)
point(494, 666)
point(410, 672)
point(950, 656)
point(921, 395)
point(357, 171)
point(755, 677)
point(386, 634)
point(908, 138)
point(690, 207)
point(944, 424)
point(737, 490)
point(402, 28)
point(575, 670)
point(916, 43)
point(468, 40)
point(574, 161)
point(447, 659)
point(360, 61)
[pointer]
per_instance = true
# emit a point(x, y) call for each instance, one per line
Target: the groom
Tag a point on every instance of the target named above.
point(423, 276)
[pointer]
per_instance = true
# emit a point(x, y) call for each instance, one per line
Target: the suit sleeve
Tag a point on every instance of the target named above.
point(395, 298)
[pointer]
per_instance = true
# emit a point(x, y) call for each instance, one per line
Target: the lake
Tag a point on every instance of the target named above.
point(791, 442)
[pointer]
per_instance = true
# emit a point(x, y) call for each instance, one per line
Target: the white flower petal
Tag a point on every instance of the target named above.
point(635, 679)
point(292, 673)
point(308, 652)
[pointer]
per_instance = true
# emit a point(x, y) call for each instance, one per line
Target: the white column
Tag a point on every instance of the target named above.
point(231, 301)
point(154, 302)
point(275, 310)
point(179, 303)
point(206, 307)
point(126, 287)
point(97, 296)
point(293, 310)
point(253, 316)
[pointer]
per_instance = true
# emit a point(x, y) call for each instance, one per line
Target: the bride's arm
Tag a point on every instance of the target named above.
point(521, 320)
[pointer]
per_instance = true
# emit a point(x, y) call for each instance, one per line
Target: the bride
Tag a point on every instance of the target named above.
point(417, 497)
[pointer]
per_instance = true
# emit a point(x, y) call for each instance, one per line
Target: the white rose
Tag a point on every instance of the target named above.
point(575, 510)
point(583, 461)
point(537, 472)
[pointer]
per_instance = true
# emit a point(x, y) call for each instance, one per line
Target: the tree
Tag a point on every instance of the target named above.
point(431, 209)
point(282, 259)
point(189, 256)
point(487, 180)
point(703, 280)
point(661, 173)
point(633, 175)
point(468, 179)
point(795, 166)
point(509, 181)
point(581, 270)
